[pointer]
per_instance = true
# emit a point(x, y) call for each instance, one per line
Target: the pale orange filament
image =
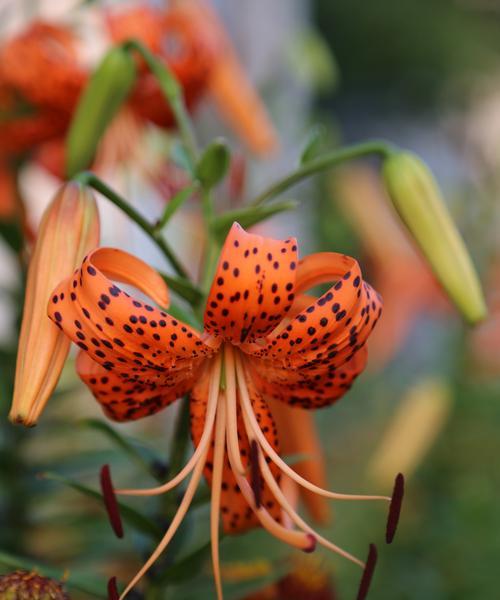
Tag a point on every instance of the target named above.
point(218, 465)
point(287, 507)
point(275, 457)
point(213, 395)
point(221, 425)
point(297, 539)
point(232, 419)
point(176, 521)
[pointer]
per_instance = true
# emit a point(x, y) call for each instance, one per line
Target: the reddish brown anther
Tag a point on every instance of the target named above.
point(395, 508)
point(312, 547)
point(113, 590)
point(110, 501)
point(255, 474)
point(366, 580)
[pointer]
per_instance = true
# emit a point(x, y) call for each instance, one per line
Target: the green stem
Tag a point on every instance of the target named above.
point(212, 250)
point(173, 94)
point(88, 178)
point(174, 204)
point(321, 163)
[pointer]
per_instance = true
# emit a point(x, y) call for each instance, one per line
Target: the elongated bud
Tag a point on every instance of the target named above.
point(68, 231)
point(106, 91)
point(417, 198)
point(22, 584)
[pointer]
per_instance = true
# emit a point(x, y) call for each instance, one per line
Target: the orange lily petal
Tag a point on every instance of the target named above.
point(318, 355)
point(41, 64)
point(124, 400)
point(128, 338)
point(253, 287)
point(237, 515)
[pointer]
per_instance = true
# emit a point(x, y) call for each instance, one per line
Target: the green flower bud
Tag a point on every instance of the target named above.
point(105, 93)
point(22, 585)
point(418, 201)
point(213, 164)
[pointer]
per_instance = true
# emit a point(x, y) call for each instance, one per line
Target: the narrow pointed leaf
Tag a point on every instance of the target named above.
point(131, 516)
point(250, 215)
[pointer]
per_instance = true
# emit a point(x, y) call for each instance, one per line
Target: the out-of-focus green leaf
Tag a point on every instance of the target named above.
point(11, 233)
point(185, 567)
point(132, 517)
point(183, 288)
point(82, 582)
point(144, 458)
point(314, 145)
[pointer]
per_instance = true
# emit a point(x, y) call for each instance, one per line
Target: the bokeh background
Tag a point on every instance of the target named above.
point(422, 74)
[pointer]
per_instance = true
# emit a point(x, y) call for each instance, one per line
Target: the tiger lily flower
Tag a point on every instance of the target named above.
point(263, 338)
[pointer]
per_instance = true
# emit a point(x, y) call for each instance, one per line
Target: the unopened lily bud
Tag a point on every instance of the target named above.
point(105, 93)
point(68, 231)
point(22, 585)
point(418, 201)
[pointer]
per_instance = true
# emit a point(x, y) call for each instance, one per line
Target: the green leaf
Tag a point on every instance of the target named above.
point(179, 313)
point(184, 288)
point(213, 164)
point(314, 145)
point(175, 203)
point(132, 517)
point(79, 581)
point(185, 567)
point(250, 215)
point(145, 459)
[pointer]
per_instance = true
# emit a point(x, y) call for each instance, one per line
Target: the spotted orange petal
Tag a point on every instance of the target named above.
point(237, 516)
point(125, 399)
point(314, 360)
point(253, 287)
point(131, 340)
point(41, 64)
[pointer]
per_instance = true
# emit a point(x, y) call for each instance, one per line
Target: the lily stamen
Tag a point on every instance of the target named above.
point(212, 401)
point(174, 525)
point(275, 457)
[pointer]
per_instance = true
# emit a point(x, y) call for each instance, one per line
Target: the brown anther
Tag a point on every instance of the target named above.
point(113, 590)
point(110, 501)
point(255, 474)
point(371, 561)
point(312, 546)
point(395, 508)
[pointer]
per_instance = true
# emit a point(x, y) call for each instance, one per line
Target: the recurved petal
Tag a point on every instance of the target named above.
point(126, 400)
point(313, 360)
point(253, 287)
point(129, 338)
